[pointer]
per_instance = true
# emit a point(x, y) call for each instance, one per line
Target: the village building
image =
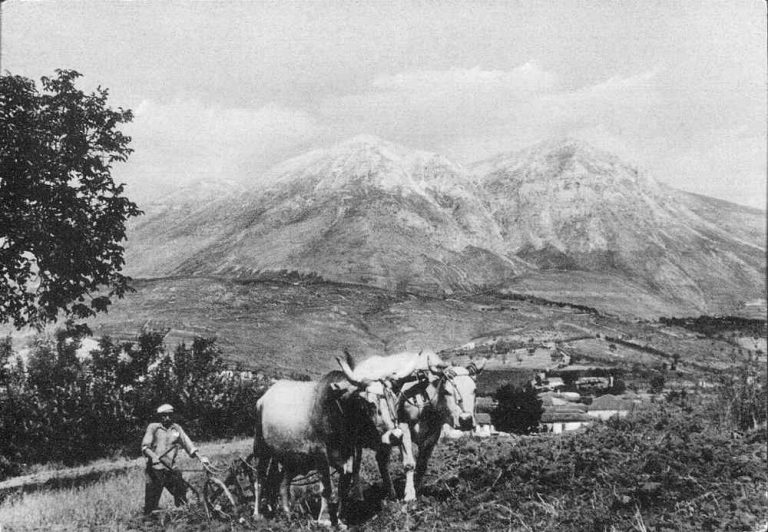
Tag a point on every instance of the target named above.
point(483, 425)
point(562, 415)
point(559, 419)
point(608, 406)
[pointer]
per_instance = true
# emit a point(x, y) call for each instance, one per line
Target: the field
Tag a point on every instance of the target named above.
point(680, 466)
point(298, 327)
point(663, 469)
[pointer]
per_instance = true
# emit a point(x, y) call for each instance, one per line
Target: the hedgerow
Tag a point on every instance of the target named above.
point(61, 408)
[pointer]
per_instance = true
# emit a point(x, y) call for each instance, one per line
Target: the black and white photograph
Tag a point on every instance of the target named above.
point(383, 265)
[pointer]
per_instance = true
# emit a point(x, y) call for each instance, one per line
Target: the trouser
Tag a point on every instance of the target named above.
point(156, 480)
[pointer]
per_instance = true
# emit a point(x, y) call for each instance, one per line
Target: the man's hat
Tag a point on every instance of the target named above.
point(165, 409)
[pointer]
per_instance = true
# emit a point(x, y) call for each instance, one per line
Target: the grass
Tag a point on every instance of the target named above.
point(669, 468)
point(112, 503)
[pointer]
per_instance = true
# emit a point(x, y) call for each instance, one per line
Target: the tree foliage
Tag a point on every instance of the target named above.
point(518, 410)
point(70, 408)
point(62, 217)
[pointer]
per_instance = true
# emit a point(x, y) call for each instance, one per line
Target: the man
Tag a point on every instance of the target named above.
point(160, 445)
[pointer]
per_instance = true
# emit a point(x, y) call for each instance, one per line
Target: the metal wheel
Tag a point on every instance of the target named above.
point(218, 499)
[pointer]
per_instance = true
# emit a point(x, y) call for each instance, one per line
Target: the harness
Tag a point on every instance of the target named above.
point(391, 399)
point(421, 395)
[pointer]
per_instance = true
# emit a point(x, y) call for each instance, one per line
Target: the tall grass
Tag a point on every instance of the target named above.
point(114, 502)
point(111, 503)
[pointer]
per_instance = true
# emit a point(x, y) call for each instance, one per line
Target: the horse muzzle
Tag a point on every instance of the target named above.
point(466, 422)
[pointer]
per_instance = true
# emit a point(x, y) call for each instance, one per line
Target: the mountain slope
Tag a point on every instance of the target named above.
point(363, 211)
point(371, 212)
point(564, 205)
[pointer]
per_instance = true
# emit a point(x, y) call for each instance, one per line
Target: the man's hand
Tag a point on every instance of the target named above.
point(203, 460)
point(152, 455)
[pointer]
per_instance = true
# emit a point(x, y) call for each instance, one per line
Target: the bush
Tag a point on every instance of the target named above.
point(517, 411)
point(70, 410)
point(743, 399)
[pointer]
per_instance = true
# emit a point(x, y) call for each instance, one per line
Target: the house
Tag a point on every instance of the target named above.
point(562, 416)
point(483, 425)
point(559, 419)
point(594, 383)
point(559, 398)
point(544, 384)
point(607, 406)
point(485, 404)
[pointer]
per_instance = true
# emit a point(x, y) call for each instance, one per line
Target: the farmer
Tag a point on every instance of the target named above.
point(160, 445)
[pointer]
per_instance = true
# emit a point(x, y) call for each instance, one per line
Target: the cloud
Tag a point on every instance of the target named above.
point(435, 109)
point(619, 103)
point(185, 140)
point(475, 113)
point(467, 114)
point(723, 163)
point(529, 78)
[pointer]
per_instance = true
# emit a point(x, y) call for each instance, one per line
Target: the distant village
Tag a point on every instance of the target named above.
point(572, 395)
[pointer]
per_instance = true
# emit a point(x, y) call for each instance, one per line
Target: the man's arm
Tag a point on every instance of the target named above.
point(146, 443)
point(189, 447)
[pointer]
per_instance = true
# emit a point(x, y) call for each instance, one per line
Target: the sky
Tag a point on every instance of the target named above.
point(223, 90)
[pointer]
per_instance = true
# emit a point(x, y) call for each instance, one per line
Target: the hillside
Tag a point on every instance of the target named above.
point(560, 215)
point(565, 205)
point(364, 211)
point(296, 327)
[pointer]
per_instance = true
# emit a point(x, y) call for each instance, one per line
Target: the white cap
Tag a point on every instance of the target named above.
point(165, 409)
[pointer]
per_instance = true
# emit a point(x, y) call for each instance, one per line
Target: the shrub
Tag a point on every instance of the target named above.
point(518, 411)
point(65, 409)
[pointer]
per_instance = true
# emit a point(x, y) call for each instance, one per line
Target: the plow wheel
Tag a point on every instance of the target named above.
point(218, 499)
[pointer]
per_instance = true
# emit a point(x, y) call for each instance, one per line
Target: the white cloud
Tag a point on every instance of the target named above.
point(186, 140)
point(529, 78)
point(620, 104)
point(723, 163)
point(466, 114)
point(474, 113)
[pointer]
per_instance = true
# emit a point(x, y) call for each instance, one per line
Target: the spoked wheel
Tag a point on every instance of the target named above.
point(218, 499)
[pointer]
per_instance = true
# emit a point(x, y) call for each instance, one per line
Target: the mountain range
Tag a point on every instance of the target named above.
point(561, 219)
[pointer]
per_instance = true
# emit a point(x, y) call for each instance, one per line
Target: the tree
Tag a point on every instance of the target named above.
point(517, 411)
point(618, 388)
point(62, 217)
point(657, 383)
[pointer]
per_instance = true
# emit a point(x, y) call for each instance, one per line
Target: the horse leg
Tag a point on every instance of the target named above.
point(285, 478)
point(425, 452)
point(346, 477)
point(258, 481)
point(382, 459)
point(408, 463)
point(328, 503)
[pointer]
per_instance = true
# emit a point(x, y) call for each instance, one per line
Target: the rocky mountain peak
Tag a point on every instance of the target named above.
point(367, 162)
point(370, 211)
point(563, 159)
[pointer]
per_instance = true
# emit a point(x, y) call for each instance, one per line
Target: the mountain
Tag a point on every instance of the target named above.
point(564, 205)
point(364, 211)
point(561, 219)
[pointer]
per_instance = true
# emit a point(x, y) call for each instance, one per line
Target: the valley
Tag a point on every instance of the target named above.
point(294, 327)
